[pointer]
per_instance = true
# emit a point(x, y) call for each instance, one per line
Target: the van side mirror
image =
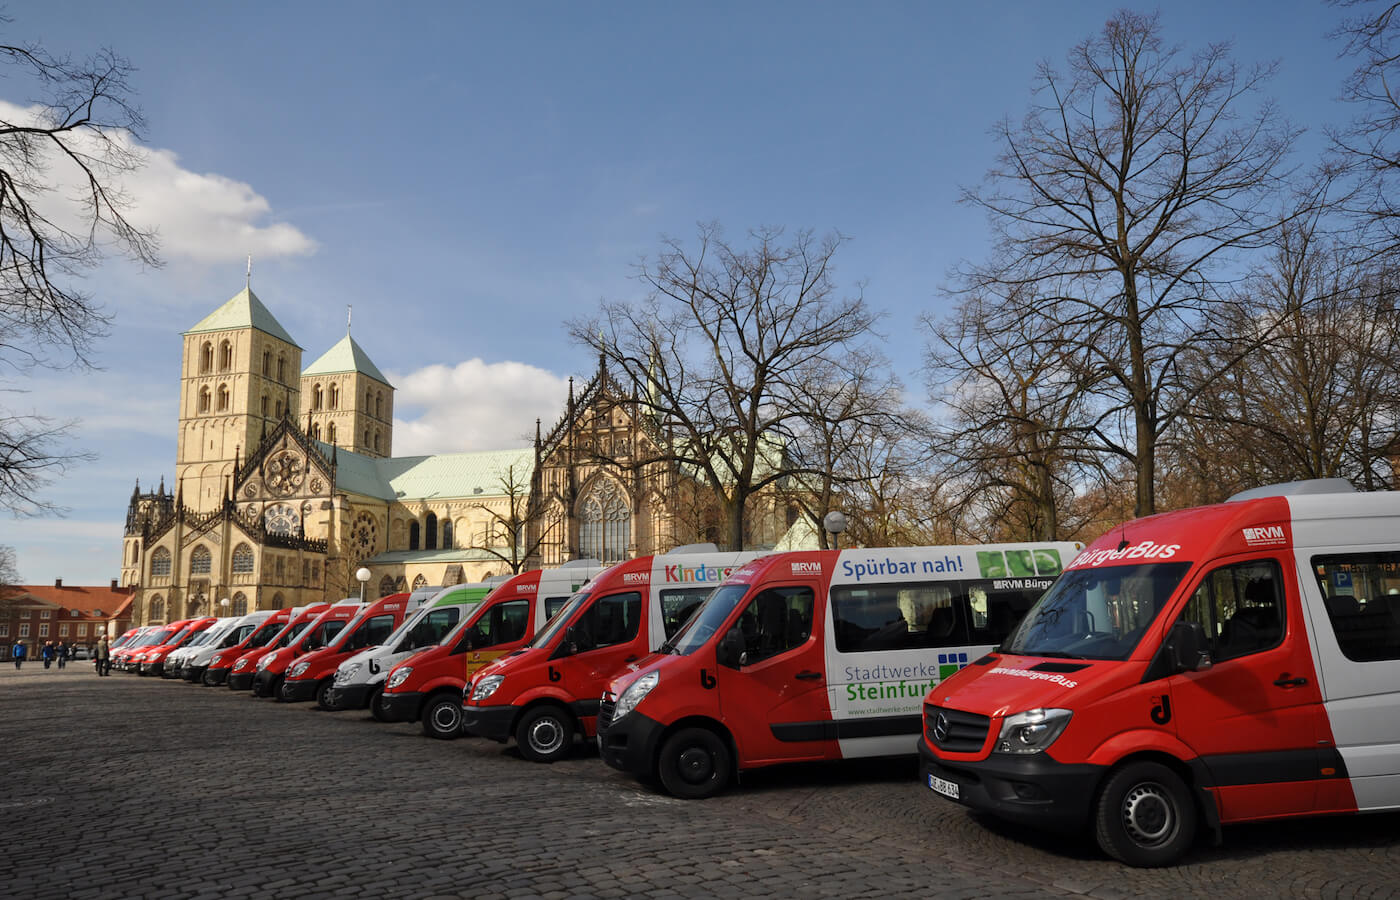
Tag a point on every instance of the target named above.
point(1187, 648)
point(730, 652)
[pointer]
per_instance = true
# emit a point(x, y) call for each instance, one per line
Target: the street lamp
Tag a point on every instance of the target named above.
point(835, 522)
point(224, 603)
point(362, 575)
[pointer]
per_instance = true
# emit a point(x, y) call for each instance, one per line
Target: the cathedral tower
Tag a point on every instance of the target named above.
point(238, 378)
point(349, 401)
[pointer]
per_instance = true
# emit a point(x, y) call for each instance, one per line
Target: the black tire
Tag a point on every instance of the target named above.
point(1145, 816)
point(694, 764)
point(281, 691)
point(323, 693)
point(208, 679)
point(442, 716)
point(376, 705)
point(545, 734)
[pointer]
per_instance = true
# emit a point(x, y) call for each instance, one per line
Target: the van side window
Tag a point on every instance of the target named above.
point(372, 633)
point(430, 629)
point(501, 624)
point(777, 620)
point(611, 620)
point(1361, 592)
point(552, 605)
point(1240, 607)
point(920, 615)
point(679, 604)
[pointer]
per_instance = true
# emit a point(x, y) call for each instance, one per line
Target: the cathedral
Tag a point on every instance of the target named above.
point(285, 486)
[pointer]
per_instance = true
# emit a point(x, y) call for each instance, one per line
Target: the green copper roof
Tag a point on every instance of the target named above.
point(447, 475)
point(245, 310)
point(346, 356)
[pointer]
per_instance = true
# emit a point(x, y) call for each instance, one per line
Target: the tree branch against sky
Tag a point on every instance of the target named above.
point(717, 350)
point(1121, 202)
point(77, 135)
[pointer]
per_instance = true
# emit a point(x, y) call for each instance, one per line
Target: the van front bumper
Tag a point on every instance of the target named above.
point(629, 744)
point(1034, 790)
point(192, 673)
point(216, 676)
point(348, 696)
point(298, 691)
point(263, 682)
point(488, 721)
point(403, 706)
point(241, 681)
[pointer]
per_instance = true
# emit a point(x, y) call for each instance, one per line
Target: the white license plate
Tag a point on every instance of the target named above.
point(946, 788)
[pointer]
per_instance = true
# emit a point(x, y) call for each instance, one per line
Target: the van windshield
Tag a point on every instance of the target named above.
point(1096, 613)
point(292, 633)
point(708, 620)
point(564, 615)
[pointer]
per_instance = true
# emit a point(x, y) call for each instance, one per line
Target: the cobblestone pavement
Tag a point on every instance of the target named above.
point(138, 787)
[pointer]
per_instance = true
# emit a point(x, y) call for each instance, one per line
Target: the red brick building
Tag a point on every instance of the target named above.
point(76, 615)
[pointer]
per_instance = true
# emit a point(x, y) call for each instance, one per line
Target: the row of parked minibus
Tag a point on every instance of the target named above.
point(1189, 670)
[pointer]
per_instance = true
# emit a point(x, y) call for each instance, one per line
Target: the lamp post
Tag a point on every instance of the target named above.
point(224, 602)
point(362, 575)
point(835, 522)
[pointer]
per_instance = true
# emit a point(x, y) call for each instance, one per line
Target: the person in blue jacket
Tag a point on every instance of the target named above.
point(19, 654)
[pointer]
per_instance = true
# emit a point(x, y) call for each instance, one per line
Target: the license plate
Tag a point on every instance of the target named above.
point(946, 788)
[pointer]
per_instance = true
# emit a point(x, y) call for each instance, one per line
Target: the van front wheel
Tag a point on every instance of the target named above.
point(1145, 816)
point(545, 734)
point(376, 705)
point(442, 717)
point(694, 764)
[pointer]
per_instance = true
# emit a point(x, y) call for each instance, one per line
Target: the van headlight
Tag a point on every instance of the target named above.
point(399, 677)
point(486, 686)
point(634, 694)
point(1031, 731)
point(345, 673)
point(296, 670)
point(266, 661)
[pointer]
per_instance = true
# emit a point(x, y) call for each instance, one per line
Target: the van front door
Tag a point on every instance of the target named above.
point(775, 703)
point(608, 634)
point(1252, 717)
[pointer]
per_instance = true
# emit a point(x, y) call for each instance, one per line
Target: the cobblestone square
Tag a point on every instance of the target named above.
point(138, 787)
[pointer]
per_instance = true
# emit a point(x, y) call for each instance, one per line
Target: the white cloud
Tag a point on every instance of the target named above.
point(474, 405)
point(206, 218)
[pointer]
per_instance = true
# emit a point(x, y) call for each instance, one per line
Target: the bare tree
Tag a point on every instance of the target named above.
point(1120, 202)
point(509, 536)
point(716, 351)
point(1370, 143)
point(61, 161)
point(9, 580)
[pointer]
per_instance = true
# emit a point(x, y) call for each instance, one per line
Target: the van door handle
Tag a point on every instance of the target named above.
point(1284, 681)
point(809, 675)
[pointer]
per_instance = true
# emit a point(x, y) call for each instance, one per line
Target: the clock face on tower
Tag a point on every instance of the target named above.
point(363, 535)
point(281, 518)
point(284, 472)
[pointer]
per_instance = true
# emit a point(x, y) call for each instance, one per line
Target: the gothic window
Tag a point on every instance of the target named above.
point(200, 561)
point(160, 562)
point(277, 602)
point(305, 571)
point(316, 397)
point(282, 368)
point(430, 533)
point(369, 395)
point(225, 356)
point(204, 399)
point(334, 396)
point(206, 358)
point(419, 582)
point(379, 406)
point(264, 405)
point(364, 535)
point(240, 605)
point(243, 560)
point(157, 608)
point(267, 362)
point(223, 398)
point(413, 533)
point(281, 571)
point(330, 433)
point(606, 524)
point(376, 441)
point(316, 430)
point(279, 409)
point(447, 534)
point(386, 586)
point(366, 437)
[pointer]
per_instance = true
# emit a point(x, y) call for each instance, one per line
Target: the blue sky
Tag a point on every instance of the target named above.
point(469, 176)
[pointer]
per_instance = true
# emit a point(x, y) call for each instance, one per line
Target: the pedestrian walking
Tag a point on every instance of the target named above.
point(47, 654)
point(103, 656)
point(19, 653)
point(60, 652)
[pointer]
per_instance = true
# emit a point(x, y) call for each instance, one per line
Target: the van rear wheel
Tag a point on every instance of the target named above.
point(1145, 815)
point(545, 734)
point(442, 717)
point(694, 764)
